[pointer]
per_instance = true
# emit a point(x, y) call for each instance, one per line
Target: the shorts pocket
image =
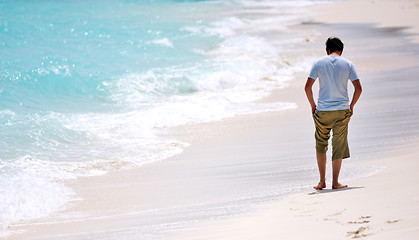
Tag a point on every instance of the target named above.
point(347, 114)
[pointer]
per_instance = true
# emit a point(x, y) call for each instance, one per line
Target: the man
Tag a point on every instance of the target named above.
point(333, 111)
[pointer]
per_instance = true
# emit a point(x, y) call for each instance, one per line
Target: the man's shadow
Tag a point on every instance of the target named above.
point(329, 190)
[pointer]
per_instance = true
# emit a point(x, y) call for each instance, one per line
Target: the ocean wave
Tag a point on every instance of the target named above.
point(100, 92)
point(52, 84)
point(25, 193)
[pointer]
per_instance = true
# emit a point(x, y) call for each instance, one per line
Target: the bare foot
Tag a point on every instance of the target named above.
point(338, 186)
point(320, 186)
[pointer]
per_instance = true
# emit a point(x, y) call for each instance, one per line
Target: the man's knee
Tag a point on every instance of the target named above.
point(321, 147)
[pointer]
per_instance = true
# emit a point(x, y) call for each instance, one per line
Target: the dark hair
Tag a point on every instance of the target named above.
point(334, 44)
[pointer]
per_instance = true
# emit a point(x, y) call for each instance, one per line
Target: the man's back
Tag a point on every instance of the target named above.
point(333, 111)
point(333, 73)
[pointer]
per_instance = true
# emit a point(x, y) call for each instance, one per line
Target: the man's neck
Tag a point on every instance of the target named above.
point(337, 54)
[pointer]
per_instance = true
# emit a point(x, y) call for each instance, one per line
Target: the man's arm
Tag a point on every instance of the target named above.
point(309, 92)
point(357, 94)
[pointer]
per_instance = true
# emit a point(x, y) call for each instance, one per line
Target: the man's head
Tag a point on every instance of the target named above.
point(334, 45)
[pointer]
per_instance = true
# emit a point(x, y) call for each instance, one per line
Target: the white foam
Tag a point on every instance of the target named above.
point(25, 194)
point(133, 134)
point(239, 71)
point(164, 42)
point(61, 70)
point(7, 112)
point(225, 27)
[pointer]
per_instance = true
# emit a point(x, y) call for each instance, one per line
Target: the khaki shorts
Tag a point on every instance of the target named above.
point(338, 122)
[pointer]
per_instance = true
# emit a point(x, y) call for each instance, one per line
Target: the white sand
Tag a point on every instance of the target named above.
point(384, 206)
point(384, 13)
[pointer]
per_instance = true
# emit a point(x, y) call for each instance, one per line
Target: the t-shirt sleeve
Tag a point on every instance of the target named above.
point(314, 73)
point(353, 75)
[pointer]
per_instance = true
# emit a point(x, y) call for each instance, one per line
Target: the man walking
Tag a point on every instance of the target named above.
point(333, 111)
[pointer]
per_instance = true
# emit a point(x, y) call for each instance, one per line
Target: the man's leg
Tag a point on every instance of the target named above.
point(321, 163)
point(336, 164)
point(323, 126)
point(340, 146)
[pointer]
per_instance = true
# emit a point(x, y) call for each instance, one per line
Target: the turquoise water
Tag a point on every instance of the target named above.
point(88, 87)
point(65, 57)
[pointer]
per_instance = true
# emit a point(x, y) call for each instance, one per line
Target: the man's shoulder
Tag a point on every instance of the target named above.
point(321, 61)
point(335, 59)
point(328, 58)
point(324, 58)
point(345, 60)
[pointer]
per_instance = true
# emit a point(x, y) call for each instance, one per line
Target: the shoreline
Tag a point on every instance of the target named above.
point(230, 134)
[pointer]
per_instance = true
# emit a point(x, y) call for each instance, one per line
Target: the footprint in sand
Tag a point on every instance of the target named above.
point(358, 222)
point(363, 219)
point(359, 233)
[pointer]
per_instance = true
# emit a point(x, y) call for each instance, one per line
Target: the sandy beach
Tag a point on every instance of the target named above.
point(382, 206)
point(368, 209)
point(384, 138)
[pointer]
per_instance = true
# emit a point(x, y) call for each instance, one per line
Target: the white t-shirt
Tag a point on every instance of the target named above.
point(333, 73)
